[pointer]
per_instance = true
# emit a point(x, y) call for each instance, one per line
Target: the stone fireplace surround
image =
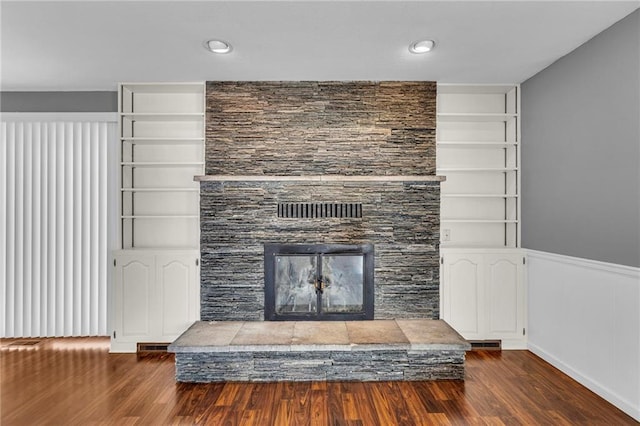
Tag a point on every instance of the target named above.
point(371, 143)
point(363, 143)
point(400, 218)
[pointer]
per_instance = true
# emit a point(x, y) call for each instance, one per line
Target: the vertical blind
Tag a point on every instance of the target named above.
point(53, 228)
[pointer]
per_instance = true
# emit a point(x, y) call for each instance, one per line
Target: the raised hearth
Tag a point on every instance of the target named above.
point(411, 349)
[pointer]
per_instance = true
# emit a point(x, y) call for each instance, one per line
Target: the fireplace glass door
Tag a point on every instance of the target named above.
point(295, 284)
point(318, 282)
point(342, 281)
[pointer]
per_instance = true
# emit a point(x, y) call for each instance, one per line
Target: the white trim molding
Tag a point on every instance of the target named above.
point(584, 318)
point(108, 117)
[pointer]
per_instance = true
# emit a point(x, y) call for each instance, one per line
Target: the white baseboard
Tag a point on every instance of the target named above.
point(122, 347)
point(514, 344)
point(626, 406)
point(584, 319)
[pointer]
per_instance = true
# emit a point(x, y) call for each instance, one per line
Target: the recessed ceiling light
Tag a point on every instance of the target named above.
point(422, 46)
point(218, 46)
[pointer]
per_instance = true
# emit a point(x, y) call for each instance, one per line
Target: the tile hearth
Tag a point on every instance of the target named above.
point(408, 349)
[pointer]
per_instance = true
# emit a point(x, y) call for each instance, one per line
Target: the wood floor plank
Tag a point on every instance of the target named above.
point(336, 415)
point(397, 404)
point(263, 397)
point(349, 406)
point(302, 403)
point(417, 410)
point(229, 396)
point(284, 413)
point(249, 418)
point(382, 404)
point(318, 405)
point(77, 382)
point(364, 404)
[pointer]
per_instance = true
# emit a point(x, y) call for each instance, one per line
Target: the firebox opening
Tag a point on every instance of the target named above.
point(318, 282)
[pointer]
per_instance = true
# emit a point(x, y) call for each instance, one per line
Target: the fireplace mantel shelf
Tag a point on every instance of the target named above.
point(318, 178)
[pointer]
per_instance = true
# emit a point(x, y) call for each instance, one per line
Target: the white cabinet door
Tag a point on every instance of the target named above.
point(483, 295)
point(156, 296)
point(504, 285)
point(175, 293)
point(463, 293)
point(134, 278)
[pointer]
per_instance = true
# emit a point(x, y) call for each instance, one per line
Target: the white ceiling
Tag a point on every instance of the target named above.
point(93, 45)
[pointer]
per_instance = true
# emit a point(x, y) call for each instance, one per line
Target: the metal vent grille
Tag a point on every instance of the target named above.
point(319, 210)
point(152, 347)
point(486, 345)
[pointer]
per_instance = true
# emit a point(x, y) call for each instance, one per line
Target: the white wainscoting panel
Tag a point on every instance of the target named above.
point(53, 226)
point(584, 318)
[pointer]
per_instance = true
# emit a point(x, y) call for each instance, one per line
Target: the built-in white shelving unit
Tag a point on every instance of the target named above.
point(162, 148)
point(156, 276)
point(478, 150)
point(482, 266)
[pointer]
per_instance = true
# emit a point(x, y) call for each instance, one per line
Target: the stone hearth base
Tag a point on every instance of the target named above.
point(378, 350)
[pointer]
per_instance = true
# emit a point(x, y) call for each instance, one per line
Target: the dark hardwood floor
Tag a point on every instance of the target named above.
point(77, 382)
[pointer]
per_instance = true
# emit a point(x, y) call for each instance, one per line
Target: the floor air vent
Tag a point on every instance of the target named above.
point(486, 345)
point(319, 210)
point(152, 347)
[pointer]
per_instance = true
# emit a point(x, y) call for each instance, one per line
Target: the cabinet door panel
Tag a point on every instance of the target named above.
point(176, 275)
point(133, 284)
point(463, 294)
point(504, 286)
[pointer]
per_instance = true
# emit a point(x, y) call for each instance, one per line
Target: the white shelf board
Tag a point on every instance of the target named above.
point(166, 116)
point(474, 89)
point(160, 189)
point(478, 117)
point(478, 221)
point(162, 88)
point(155, 249)
point(160, 164)
point(449, 245)
point(470, 144)
point(159, 141)
point(476, 169)
point(479, 196)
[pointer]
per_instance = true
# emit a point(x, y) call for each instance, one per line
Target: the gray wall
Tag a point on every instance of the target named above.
point(581, 150)
point(58, 101)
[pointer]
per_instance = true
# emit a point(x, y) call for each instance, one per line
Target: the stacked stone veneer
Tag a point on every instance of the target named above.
point(415, 349)
point(399, 218)
point(362, 365)
point(320, 128)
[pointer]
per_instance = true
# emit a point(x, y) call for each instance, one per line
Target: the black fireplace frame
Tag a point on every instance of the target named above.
point(271, 250)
